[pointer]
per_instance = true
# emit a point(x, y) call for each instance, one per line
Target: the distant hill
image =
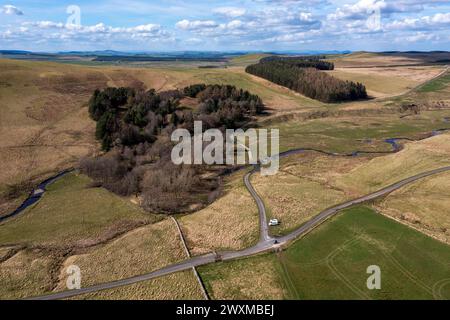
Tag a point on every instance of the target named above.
point(234, 58)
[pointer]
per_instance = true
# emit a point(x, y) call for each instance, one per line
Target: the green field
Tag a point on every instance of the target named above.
point(72, 211)
point(363, 133)
point(331, 262)
point(47, 128)
point(438, 84)
point(247, 59)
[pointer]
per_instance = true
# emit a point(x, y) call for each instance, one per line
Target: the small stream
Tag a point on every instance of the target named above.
point(393, 142)
point(35, 195)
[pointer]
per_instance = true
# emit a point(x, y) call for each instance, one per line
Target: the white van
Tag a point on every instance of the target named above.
point(274, 222)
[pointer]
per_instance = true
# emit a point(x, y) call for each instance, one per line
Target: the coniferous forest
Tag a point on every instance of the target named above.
point(305, 76)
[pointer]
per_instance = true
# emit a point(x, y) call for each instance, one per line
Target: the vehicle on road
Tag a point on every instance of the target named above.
point(273, 222)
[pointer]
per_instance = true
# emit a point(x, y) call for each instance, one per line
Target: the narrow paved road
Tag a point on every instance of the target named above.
point(324, 215)
point(263, 225)
point(265, 244)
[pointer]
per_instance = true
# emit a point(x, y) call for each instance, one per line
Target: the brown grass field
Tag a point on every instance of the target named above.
point(45, 128)
point(304, 186)
point(91, 226)
point(379, 172)
point(369, 59)
point(310, 182)
point(139, 251)
point(27, 272)
point(254, 279)
point(294, 196)
point(177, 286)
point(387, 81)
point(44, 121)
point(231, 222)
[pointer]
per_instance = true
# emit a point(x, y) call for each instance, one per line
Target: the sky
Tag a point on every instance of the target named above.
point(240, 25)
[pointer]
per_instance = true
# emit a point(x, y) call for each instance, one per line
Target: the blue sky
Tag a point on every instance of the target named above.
point(172, 25)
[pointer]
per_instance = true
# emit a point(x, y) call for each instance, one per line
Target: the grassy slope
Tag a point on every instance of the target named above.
point(43, 122)
point(370, 59)
point(364, 133)
point(293, 200)
point(70, 212)
point(177, 286)
point(137, 252)
point(331, 263)
point(247, 59)
point(423, 205)
point(231, 222)
point(26, 274)
point(438, 84)
point(32, 272)
point(304, 187)
point(392, 76)
point(377, 85)
point(275, 97)
point(45, 125)
point(416, 157)
point(253, 278)
point(309, 183)
point(170, 78)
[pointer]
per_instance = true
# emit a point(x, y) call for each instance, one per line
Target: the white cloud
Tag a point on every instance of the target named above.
point(195, 25)
point(359, 10)
point(364, 8)
point(45, 24)
point(11, 10)
point(95, 29)
point(422, 23)
point(256, 24)
point(235, 24)
point(441, 18)
point(418, 37)
point(146, 28)
point(305, 16)
point(96, 34)
point(231, 12)
point(6, 34)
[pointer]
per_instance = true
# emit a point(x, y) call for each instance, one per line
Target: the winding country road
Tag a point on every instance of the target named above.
point(266, 242)
point(263, 225)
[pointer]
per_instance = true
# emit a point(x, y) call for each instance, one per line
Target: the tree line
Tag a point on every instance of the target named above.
point(302, 61)
point(305, 77)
